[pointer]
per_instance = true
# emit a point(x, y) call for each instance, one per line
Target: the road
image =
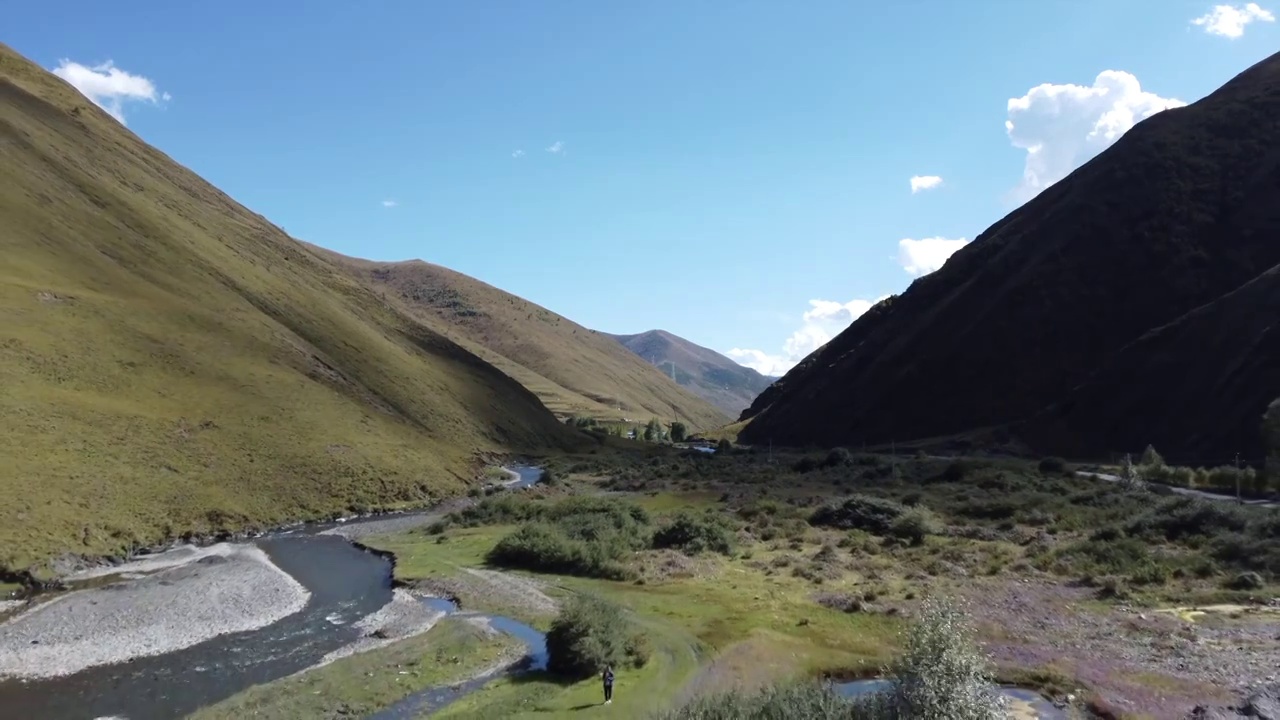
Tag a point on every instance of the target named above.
point(1189, 492)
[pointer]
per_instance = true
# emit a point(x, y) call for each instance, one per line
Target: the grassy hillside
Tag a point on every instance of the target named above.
point(1182, 210)
point(574, 370)
point(172, 362)
point(712, 376)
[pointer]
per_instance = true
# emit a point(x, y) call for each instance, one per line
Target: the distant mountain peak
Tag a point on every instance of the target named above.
point(721, 381)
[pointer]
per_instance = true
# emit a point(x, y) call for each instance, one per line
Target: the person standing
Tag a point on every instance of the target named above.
point(607, 676)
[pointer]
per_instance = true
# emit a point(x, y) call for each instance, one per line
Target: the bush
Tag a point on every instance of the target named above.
point(589, 634)
point(859, 512)
point(1247, 581)
point(548, 478)
point(724, 447)
point(915, 524)
point(692, 534)
point(1053, 466)
point(838, 457)
point(941, 673)
point(587, 536)
point(805, 465)
point(792, 701)
point(1151, 458)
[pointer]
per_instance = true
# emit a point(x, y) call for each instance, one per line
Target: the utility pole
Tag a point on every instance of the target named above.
point(1238, 501)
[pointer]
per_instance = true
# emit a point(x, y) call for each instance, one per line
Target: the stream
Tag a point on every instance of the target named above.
point(345, 582)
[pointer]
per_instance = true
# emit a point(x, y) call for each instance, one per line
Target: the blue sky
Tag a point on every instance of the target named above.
point(736, 173)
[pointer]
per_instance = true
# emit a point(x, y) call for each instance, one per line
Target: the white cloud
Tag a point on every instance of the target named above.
point(109, 87)
point(517, 154)
point(1064, 126)
point(822, 321)
point(924, 182)
point(921, 257)
point(1229, 21)
point(556, 147)
point(389, 203)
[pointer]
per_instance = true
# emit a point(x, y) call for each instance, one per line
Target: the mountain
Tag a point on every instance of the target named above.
point(714, 377)
point(574, 370)
point(1177, 214)
point(1196, 389)
point(171, 362)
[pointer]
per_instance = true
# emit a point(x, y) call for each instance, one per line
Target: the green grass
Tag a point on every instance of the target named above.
point(764, 626)
point(172, 362)
point(358, 685)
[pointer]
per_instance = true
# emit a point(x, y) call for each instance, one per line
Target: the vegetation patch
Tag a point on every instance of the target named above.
point(591, 634)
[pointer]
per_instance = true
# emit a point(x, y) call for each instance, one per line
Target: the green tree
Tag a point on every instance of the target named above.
point(653, 430)
point(1151, 458)
point(678, 431)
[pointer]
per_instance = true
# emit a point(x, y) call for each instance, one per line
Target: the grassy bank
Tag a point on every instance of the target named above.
point(356, 686)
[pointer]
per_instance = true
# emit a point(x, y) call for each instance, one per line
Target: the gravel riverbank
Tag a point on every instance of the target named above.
point(190, 596)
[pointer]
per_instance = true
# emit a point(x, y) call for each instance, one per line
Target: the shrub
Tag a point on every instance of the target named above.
point(692, 534)
point(506, 509)
point(859, 512)
point(590, 633)
point(941, 673)
point(585, 536)
point(1151, 458)
point(915, 524)
point(548, 478)
point(791, 701)
point(1247, 581)
point(805, 465)
point(1183, 517)
point(838, 457)
point(724, 446)
point(1053, 466)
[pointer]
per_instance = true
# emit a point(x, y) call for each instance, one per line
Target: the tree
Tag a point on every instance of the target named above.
point(653, 430)
point(678, 431)
point(724, 446)
point(1151, 458)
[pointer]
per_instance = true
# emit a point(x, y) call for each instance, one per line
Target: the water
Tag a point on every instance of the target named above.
point(1032, 703)
point(435, 699)
point(346, 584)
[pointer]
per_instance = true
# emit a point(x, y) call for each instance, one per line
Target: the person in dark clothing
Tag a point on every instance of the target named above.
point(607, 676)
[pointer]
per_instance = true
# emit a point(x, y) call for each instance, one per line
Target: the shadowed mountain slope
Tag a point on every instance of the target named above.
point(1181, 211)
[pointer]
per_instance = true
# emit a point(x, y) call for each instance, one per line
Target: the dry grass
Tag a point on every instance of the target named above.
point(573, 370)
point(172, 362)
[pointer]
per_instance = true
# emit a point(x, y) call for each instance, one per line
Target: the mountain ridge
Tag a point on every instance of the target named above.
point(1179, 212)
point(574, 370)
point(713, 376)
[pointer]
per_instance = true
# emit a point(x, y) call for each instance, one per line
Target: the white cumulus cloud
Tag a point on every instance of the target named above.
point(556, 147)
point(389, 203)
point(924, 182)
point(1061, 127)
point(1229, 21)
point(822, 321)
point(517, 154)
point(109, 87)
point(921, 257)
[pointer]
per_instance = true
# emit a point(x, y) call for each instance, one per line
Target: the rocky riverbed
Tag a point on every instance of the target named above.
point(189, 596)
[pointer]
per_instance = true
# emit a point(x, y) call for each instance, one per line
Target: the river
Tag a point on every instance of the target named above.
point(345, 584)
